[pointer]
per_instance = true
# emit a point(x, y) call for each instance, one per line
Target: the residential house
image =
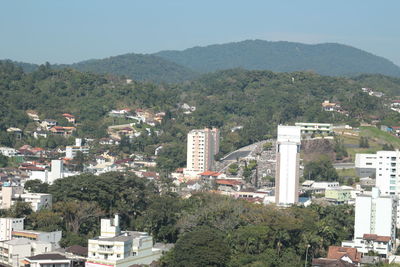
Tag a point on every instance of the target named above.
point(33, 115)
point(37, 134)
point(62, 130)
point(16, 131)
point(108, 141)
point(331, 106)
point(8, 151)
point(339, 257)
point(228, 185)
point(48, 123)
point(70, 118)
point(118, 248)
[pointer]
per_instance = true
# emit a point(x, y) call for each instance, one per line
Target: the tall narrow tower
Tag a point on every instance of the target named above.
point(287, 165)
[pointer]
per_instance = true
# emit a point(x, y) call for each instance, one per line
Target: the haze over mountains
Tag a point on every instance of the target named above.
point(176, 66)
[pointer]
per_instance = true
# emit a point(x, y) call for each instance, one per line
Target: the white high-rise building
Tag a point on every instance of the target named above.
point(202, 146)
point(374, 223)
point(287, 165)
point(387, 171)
point(375, 214)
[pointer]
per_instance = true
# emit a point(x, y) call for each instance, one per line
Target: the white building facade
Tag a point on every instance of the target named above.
point(8, 225)
point(120, 248)
point(287, 165)
point(365, 164)
point(311, 127)
point(202, 146)
point(375, 223)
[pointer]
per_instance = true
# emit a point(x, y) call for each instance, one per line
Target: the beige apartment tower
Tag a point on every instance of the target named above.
point(287, 165)
point(202, 146)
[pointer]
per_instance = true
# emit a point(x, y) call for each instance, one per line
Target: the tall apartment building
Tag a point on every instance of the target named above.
point(387, 171)
point(287, 165)
point(202, 146)
point(8, 225)
point(374, 223)
point(118, 248)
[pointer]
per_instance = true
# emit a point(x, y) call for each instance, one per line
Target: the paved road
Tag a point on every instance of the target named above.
point(237, 154)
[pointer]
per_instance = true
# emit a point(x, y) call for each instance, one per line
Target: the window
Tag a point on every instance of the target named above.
point(392, 188)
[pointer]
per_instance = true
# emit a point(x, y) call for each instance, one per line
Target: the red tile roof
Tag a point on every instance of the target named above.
point(336, 252)
point(228, 182)
point(68, 115)
point(376, 237)
point(210, 173)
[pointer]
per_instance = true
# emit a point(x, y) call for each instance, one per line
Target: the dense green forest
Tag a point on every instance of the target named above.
point(326, 59)
point(257, 100)
point(138, 67)
point(209, 229)
point(177, 66)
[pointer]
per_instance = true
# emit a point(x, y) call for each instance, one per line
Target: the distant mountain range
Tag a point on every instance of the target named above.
point(177, 66)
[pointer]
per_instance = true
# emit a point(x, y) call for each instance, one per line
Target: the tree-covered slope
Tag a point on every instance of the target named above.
point(138, 67)
point(326, 59)
point(388, 85)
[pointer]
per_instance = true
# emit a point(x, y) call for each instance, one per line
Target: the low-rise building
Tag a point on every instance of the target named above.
point(120, 248)
point(338, 195)
point(70, 118)
point(313, 128)
point(339, 256)
point(47, 260)
point(38, 201)
point(13, 252)
point(366, 164)
point(8, 151)
point(50, 237)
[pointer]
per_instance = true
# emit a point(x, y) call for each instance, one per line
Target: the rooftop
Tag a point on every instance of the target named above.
point(336, 252)
point(377, 238)
point(124, 236)
point(53, 256)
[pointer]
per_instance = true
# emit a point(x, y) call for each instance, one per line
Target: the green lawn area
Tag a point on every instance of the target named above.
point(376, 138)
point(380, 136)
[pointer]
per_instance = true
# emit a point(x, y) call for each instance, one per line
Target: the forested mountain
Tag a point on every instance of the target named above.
point(133, 66)
point(138, 67)
point(325, 59)
point(176, 66)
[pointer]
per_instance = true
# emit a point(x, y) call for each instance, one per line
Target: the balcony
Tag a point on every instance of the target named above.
point(105, 250)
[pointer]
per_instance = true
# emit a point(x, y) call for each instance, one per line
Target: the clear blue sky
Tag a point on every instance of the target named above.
point(74, 30)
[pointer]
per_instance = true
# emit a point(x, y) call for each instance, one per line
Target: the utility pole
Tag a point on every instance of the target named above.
point(305, 262)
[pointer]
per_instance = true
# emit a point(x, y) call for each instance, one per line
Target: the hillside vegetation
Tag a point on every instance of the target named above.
point(326, 59)
point(256, 100)
point(138, 67)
